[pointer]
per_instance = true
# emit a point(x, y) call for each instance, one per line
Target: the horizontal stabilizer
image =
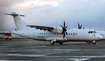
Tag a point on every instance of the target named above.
point(19, 23)
point(14, 14)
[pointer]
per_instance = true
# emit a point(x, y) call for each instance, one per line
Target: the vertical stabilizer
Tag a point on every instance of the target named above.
point(19, 23)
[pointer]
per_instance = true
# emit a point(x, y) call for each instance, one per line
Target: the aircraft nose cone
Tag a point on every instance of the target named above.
point(100, 37)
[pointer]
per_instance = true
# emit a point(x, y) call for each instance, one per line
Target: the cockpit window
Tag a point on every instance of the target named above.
point(92, 32)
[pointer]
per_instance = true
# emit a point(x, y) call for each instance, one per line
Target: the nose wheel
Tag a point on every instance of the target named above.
point(93, 42)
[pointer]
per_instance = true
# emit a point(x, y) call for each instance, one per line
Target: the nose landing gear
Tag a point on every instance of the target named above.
point(54, 41)
point(93, 42)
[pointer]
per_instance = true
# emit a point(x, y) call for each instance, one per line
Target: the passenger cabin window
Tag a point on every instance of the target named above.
point(92, 32)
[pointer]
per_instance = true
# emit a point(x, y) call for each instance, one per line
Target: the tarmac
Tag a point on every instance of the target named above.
point(21, 49)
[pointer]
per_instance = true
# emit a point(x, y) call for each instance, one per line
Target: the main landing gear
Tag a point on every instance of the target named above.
point(54, 41)
point(93, 42)
point(60, 43)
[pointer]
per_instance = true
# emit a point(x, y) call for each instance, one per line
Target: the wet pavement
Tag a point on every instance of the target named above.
point(20, 49)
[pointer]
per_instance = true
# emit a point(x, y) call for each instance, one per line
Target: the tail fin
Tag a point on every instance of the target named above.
point(19, 23)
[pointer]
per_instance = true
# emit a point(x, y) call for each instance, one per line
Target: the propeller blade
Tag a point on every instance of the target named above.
point(63, 35)
point(61, 26)
point(79, 26)
point(64, 23)
point(66, 26)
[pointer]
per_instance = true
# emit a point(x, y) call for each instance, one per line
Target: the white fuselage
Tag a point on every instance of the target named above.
point(72, 35)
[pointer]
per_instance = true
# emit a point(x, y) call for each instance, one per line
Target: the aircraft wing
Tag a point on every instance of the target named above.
point(41, 27)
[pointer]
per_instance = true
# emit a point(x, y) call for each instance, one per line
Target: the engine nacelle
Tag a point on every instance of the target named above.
point(56, 30)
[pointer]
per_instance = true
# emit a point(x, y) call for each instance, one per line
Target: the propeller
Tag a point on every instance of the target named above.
point(64, 30)
point(79, 26)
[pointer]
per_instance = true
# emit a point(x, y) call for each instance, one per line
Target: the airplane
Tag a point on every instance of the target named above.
point(53, 34)
point(8, 36)
point(6, 33)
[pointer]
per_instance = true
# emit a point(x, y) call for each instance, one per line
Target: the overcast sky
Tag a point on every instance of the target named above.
point(89, 13)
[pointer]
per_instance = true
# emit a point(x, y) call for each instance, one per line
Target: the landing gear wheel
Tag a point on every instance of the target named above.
point(52, 43)
point(94, 42)
point(60, 43)
point(57, 42)
point(88, 42)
